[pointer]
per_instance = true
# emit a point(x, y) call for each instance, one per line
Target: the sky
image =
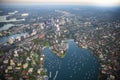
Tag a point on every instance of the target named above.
point(94, 2)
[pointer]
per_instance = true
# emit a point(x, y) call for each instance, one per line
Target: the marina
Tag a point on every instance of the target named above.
point(78, 64)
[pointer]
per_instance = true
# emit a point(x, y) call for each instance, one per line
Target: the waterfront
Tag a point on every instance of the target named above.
point(78, 64)
point(6, 38)
point(6, 27)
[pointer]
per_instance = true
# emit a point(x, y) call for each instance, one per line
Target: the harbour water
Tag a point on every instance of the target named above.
point(6, 38)
point(6, 27)
point(78, 64)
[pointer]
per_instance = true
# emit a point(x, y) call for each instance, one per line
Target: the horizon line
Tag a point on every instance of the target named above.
point(60, 3)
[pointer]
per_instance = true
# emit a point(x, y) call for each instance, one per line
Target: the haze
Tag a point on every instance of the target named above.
point(94, 2)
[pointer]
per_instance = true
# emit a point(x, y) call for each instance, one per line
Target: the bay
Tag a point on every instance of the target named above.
point(78, 64)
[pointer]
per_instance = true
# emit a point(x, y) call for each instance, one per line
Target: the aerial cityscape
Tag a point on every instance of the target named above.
point(59, 42)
